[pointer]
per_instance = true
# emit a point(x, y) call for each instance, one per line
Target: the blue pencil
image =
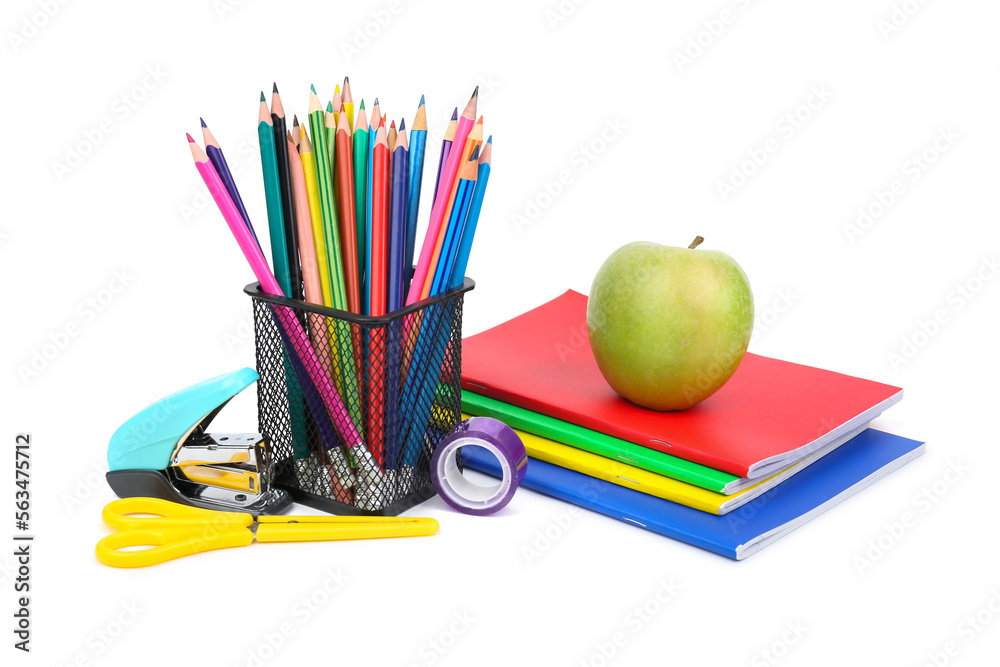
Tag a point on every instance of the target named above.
point(418, 142)
point(459, 211)
point(469, 230)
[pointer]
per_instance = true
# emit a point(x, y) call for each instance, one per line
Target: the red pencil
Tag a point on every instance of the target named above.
point(344, 174)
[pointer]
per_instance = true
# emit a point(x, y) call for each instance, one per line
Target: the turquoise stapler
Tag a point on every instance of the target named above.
point(165, 452)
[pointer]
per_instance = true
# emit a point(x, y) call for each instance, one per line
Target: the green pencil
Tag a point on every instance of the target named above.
point(322, 153)
point(272, 194)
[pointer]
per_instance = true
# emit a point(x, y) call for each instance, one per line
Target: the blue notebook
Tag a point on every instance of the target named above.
point(843, 472)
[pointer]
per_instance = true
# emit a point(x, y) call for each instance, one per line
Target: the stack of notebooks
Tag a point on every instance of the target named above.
point(779, 444)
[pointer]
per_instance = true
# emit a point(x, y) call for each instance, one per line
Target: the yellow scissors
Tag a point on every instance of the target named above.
point(171, 530)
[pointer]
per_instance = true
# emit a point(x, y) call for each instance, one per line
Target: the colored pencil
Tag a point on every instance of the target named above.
point(465, 123)
point(418, 142)
point(337, 104)
point(380, 222)
point(348, 226)
point(308, 160)
point(285, 182)
point(360, 159)
point(272, 196)
point(449, 248)
point(397, 224)
point(215, 154)
point(296, 131)
point(330, 123)
point(366, 293)
point(304, 233)
point(331, 232)
point(472, 142)
point(348, 101)
point(446, 143)
point(475, 208)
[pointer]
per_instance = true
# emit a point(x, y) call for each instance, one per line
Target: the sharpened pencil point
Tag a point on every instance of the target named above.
point(454, 115)
point(480, 121)
point(362, 105)
point(421, 101)
point(402, 124)
point(376, 101)
point(490, 140)
point(329, 107)
point(475, 93)
point(262, 96)
point(274, 88)
point(392, 124)
point(475, 154)
point(347, 80)
point(312, 87)
point(336, 89)
point(295, 120)
point(190, 138)
point(203, 122)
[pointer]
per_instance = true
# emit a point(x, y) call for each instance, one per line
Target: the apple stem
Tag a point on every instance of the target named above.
point(697, 242)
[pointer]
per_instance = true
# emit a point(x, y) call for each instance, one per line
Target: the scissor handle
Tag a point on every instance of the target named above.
point(163, 514)
point(167, 543)
point(320, 529)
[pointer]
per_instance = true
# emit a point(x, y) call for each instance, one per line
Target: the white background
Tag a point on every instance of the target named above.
point(550, 85)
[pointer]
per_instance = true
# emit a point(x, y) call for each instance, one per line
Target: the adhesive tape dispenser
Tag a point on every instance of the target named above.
point(165, 452)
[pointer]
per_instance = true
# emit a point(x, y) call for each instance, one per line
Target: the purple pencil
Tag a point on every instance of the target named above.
point(397, 224)
point(449, 137)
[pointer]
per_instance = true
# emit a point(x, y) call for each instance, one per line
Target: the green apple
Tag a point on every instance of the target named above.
point(669, 326)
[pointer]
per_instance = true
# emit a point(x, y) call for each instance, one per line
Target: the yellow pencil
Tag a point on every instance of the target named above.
point(316, 215)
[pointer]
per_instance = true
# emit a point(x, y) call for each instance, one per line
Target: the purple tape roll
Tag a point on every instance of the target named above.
point(495, 437)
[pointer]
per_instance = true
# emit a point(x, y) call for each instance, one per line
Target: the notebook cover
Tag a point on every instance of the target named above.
point(850, 468)
point(770, 414)
point(598, 443)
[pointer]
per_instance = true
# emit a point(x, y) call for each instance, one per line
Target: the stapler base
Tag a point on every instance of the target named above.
point(159, 484)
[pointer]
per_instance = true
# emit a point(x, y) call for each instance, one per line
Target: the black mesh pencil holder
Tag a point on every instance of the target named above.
point(355, 406)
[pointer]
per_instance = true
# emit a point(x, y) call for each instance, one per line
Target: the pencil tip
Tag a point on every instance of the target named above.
point(480, 121)
point(313, 88)
point(336, 89)
point(362, 105)
point(202, 122)
point(421, 101)
point(490, 140)
point(295, 119)
point(329, 107)
point(392, 124)
point(274, 88)
point(262, 96)
point(190, 138)
point(454, 114)
point(475, 154)
point(347, 80)
point(475, 93)
point(376, 101)
point(402, 124)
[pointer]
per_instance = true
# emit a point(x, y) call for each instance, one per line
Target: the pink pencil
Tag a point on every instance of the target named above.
point(465, 123)
point(252, 253)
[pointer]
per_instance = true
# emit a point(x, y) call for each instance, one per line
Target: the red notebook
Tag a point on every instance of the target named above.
point(769, 415)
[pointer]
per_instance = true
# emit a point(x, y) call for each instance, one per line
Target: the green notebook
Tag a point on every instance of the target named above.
point(601, 444)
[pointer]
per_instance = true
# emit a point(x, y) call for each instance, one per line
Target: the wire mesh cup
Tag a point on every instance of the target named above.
point(355, 406)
